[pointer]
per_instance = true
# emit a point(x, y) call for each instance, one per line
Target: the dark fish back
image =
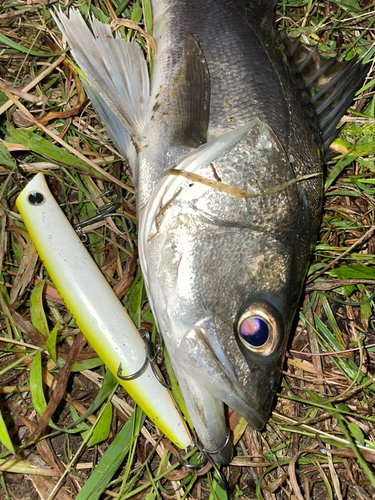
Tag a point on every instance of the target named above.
point(244, 81)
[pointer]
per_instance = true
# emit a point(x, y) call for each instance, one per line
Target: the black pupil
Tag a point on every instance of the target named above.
point(254, 331)
point(36, 198)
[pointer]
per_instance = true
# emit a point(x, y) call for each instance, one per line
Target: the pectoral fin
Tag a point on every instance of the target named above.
point(192, 89)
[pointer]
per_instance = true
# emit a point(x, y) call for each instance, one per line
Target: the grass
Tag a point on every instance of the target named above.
point(320, 439)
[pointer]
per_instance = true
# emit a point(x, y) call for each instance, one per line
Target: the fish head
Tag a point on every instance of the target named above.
point(224, 275)
point(237, 326)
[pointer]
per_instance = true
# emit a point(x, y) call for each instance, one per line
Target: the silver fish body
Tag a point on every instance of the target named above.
point(213, 254)
point(226, 225)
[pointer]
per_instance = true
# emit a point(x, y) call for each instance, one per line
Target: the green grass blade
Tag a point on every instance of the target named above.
point(38, 144)
point(110, 462)
point(51, 342)
point(147, 15)
point(175, 389)
point(38, 317)
point(103, 427)
point(23, 467)
point(357, 453)
point(136, 12)
point(217, 492)
point(107, 389)
point(5, 157)
point(19, 48)
point(4, 436)
point(36, 384)
point(87, 364)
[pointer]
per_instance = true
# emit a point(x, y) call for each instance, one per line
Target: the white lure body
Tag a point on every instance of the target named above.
point(96, 309)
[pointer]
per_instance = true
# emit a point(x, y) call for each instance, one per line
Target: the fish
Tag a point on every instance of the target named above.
point(226, 142)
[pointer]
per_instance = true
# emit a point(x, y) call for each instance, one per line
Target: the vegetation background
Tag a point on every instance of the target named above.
point(320, 440)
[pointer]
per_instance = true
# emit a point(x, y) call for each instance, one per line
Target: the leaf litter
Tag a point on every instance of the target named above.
point(62, 414)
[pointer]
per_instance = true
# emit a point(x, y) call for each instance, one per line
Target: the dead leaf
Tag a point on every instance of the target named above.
point(293, 478)
point(38, 339)
point(60, 387)
point(45, 485)
point(50, 293)
point(177, 475)
point(274, 485)
point(43, 446)
point(123, 285)
point(237, 426)
point(349, 453)
point(27, 266)
point(254, 445)
point(109, 266)
point(135, 26)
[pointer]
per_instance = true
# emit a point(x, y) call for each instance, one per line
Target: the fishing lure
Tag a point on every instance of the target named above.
point(96, 309)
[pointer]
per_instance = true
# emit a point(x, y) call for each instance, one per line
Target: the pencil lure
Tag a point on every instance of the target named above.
point(96, 309)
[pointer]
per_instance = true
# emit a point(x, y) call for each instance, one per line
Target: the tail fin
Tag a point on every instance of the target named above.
point(117, 76)
point(328, 85)
point(114, 128)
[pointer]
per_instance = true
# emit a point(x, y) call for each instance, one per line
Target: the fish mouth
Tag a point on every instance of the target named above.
point(208, 381)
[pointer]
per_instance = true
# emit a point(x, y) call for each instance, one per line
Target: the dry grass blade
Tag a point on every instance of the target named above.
point(368, 234)
point(26, 269)
point(135, 26)
point(293, 479)
point(64, 144)
point(59, 388)
point(44, 486)
point(35, 81)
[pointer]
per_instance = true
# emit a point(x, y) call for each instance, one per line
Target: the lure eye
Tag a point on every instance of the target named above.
point(36, 198)
point(260, 328)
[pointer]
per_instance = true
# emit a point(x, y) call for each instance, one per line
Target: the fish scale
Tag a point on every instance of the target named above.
point(230, 60)
point(225, 103)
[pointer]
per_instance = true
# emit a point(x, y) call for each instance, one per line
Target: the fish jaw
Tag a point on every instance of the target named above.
point(203, 359)
point(207, 413)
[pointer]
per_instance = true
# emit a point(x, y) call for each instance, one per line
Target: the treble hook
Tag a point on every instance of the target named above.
point(148, 361)
point(106, 210)
point(206, 457)
point(19, 177)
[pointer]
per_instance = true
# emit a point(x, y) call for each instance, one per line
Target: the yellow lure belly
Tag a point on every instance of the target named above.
point(96, 309)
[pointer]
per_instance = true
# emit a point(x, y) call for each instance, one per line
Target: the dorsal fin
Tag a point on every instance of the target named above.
point(327, 85)
point(192, 90)
point(256, 11)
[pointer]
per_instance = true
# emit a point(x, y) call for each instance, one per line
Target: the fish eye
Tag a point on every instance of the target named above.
point(254, 331)
point(259, 328)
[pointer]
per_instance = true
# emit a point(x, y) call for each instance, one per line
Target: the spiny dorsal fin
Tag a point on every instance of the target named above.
point(256, 9)
point(327, 85)
point(192, 90)
point(115, 69)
